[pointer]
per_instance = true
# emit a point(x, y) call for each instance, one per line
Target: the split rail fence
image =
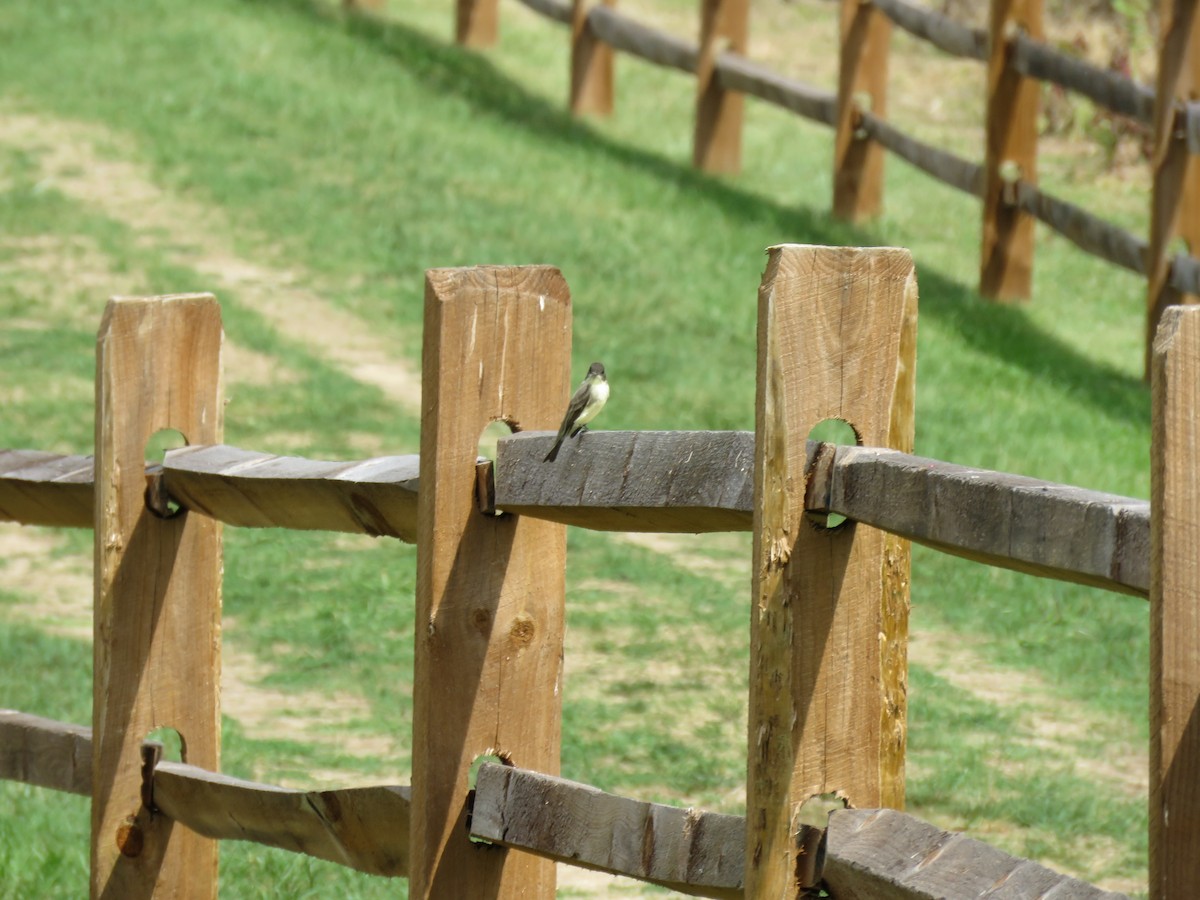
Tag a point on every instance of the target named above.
point(1016, 59)
point(829, 605)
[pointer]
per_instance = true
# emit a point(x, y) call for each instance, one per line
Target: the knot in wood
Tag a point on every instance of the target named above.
point(522, 629)
point(130, 840)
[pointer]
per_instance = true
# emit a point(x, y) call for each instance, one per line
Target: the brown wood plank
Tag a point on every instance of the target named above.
point(658, 481)
point(943, 165)
point(882, 854)
point(45, 753)
point(362, 828)
point(862, 87)
point(630, 36)
point(940, 30)
point(476, 22)
point(156, 653)
point(736, 73)
point(1175, 608)
point(1006, 269)
point(689, 851)
point(490, 590)
point(717, 136)
point(260, 490)
point(39, 488)
point(828, 679)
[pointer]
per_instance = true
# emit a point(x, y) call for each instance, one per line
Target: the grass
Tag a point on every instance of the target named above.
point(353, 156)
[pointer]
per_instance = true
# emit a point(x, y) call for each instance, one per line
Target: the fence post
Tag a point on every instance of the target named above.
point(829, 621)
point(157, 610)
point(1175, 608)
point(591, 64)
point(862, 85)
point(490, 591)
point(1010, 155)
point(1175, 195)
point(717, 140)
point(476, 22)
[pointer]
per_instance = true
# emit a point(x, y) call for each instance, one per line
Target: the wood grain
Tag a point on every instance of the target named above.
point(882, 854)
point(157, 636)
point(361, 828)
point(1175, 608)
point(689, 851)
point(490, 590)
point(39, 488)
point(46, 753)
point(827, 697)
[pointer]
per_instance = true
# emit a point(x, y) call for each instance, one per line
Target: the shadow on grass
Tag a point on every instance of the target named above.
point(1004, 332)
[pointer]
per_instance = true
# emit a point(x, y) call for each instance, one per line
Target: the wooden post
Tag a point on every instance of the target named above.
point(1175, 195)
point(476, 22)
point(1010, 155)
point(866, 33)
point(828, 646)
point(157, 659)
point(717, 142)
point(591, 64)
point(490, 590)
point(1175, 608)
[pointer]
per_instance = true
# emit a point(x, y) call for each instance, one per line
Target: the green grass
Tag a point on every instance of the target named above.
point(358, 155)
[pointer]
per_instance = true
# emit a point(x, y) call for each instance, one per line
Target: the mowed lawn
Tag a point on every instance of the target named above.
point(308, 169)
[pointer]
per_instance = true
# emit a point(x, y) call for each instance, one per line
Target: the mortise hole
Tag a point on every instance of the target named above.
point(501, 759)
point(157, 499)
point(172, 743)
point(832, 431)
point(486, 449)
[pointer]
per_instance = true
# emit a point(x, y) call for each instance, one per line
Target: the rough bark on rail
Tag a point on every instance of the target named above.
point(939, 30)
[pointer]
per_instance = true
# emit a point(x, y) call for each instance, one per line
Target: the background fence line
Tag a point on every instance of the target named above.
point(828, 666)
point(1017, 60)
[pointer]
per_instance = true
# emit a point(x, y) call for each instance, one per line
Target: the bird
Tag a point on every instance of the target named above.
point(585, 403)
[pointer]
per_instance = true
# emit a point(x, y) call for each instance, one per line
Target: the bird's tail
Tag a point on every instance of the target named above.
point(553, 454)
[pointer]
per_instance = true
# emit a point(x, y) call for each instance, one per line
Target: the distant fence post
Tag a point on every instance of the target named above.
point(490, 591)
point(717, 139)
point(862, 85)
point(1175, 608)
point(476, 22)
point(1010, 155)
point(1175, 195)
point(158, 593)
point(829, 618)
point(591, 64)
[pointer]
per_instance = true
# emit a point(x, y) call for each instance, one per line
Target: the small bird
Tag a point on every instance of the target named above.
point(587, 401)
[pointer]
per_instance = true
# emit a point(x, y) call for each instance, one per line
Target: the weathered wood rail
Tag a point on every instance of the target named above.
point(1017, 59)
point(774, 482)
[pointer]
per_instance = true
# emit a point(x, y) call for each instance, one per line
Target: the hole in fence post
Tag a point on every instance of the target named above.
point(831, 431)
point(495, 758)
point(485, 487)
point(159, 745)
point(158, 501)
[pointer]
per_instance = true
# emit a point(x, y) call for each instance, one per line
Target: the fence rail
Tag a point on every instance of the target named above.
point(1017, 60)
point(489, 645)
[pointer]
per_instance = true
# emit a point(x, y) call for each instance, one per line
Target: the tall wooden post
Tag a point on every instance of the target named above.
point(476, 22)
point(866, 34)
point(591, 65)
point(717, 141)
point(490, 591)
point(829, 629)
point(1175, 196)
point(1175, 608)
point(1010, 155)
point(157, 612)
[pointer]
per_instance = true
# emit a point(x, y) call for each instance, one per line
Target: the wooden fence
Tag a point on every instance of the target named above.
point(829, 611)
point(1016, 60)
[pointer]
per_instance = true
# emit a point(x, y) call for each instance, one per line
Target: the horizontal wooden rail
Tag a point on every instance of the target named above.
point(867, 852)
point(1112, 90)
point(736, 73)
point(362, 828)
point(687, 482)
point(557, 10)
point(623, 33)
point(38, 488)
point(687, 850)
point(943, 165)
point(882, 853)
point(939, 30)
point(1087, 231)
